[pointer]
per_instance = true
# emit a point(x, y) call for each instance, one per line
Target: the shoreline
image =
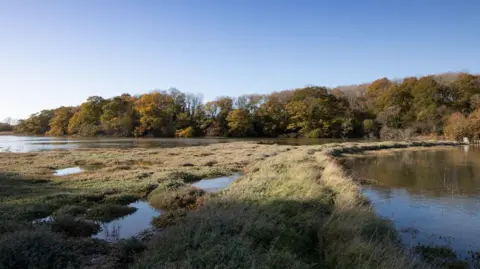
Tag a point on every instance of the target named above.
point(295, 206)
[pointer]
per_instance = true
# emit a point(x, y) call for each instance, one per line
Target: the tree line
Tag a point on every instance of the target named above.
point(390, 109)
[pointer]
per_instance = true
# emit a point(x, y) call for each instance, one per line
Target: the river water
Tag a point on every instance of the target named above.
point(45, 143)
point(432, 196)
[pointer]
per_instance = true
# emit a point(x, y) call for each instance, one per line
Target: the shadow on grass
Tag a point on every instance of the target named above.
point(275, 234)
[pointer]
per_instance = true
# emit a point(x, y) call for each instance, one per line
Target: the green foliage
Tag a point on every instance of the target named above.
point(6, 127)
point(239, 123)
point(420, 104)
point(60, 120)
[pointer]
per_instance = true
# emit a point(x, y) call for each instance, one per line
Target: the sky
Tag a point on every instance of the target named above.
point(55, 53)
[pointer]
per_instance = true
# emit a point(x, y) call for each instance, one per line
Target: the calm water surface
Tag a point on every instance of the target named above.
point(130, 225)
point(216, 184)
point(45, 143)
point(432, 197)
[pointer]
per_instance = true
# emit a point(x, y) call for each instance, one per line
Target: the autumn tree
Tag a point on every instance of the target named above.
point(86, 120)
point(239, 123)
point(119, 116)
point(156, 114)
point(60, 120)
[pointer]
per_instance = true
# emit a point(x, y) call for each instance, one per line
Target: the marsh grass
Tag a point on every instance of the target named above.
point(181, 197)
point(169, 218)
point(70, 226)
point(122, 198)
point(70, 210)
point(109, 212)
point(293, 208)
point(43, 249)
point(441, 257)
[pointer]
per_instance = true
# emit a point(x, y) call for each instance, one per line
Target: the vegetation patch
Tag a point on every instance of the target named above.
point(109, 212)
point(441, 257)
point(169, 218)
point(184, 176)
point(71, 210)
point(42, 249)
point(73, 227)
point(183, 197)
point(121, 198)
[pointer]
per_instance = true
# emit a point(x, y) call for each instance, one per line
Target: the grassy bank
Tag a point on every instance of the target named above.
point(294, 208)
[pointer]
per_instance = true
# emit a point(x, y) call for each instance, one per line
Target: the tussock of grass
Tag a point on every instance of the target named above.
point(42, 249)
point(169, 218)
point(71, 210)
point(70, 226)
point(122, 198)
point(109, 212)
point(182, 197)
point(441, 257)
point(184, 176)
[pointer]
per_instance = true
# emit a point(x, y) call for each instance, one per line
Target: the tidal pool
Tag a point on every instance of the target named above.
point(432, 196)
point(67, 171)
point(216, 184)
point(130, 225)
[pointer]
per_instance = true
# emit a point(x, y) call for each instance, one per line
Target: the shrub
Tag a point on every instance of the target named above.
point(124, 251)
point(39, 249)
point(187, 132)
point(109, 212)
point(73, 227)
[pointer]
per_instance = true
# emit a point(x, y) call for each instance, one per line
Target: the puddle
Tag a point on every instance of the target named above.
point(77, 169)
point(216, 184)
point(128, 226)
point(68, 171)
point(43, 220)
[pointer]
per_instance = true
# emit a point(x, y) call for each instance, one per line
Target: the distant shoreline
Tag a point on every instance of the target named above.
point(7, 133)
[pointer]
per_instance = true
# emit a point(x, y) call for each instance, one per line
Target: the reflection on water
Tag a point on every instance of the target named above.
point(67, 171)
point(44, 143)
point(216, 184)
point(433, 192)
point(128, 226)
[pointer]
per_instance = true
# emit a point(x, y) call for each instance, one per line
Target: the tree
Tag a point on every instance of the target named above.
point(59, 122)
point(86, 120)
point(119, 116)
point(156, 111)
point(239, 123)
point(36, 124)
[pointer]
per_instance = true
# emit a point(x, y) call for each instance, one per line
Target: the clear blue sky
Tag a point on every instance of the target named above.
point(55, 53)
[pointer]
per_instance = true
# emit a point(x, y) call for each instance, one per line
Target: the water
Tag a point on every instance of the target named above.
point(45, 143)
point(130, 225)
point(68, 171)
point(216, 184)
point(432, 197)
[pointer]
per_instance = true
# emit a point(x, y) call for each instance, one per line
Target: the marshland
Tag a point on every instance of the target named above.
point(276, 206)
